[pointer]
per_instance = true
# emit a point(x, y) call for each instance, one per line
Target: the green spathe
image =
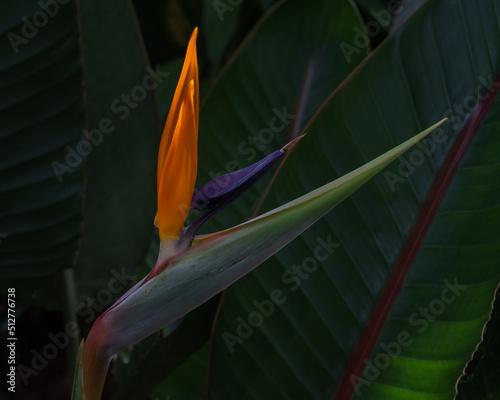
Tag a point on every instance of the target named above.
point(218, 260)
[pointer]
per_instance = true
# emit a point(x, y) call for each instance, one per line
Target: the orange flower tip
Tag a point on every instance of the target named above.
point(192, 40)
point(177, 157)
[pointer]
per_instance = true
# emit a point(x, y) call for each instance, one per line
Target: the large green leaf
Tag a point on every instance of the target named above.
point(49, 131)
point(316, 342)
point(453, 277)
point(69, 132)
point(120, 198)
point(42, 114)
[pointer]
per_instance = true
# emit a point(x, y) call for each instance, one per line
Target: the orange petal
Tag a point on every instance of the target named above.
point(178, 157)
point(189, 73)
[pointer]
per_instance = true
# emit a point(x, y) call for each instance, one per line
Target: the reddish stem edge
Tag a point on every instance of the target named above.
point(410, 250)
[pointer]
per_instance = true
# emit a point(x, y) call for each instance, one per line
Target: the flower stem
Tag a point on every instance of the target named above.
point(69, 301)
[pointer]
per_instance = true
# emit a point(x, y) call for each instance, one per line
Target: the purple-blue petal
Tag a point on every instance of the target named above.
point(223, 189)
point(216, 194)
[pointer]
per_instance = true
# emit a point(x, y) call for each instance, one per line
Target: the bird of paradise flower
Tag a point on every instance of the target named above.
point(190, 269)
